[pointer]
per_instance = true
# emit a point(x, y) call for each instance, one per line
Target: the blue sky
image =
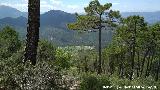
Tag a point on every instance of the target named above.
point(72, 6)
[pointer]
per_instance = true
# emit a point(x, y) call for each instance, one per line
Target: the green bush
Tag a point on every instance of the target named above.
point(9, 42)
point(18, 76)
point(44, 76)
point(63, 59)
point(46, 51)
point(94, 82)
point(143, 82)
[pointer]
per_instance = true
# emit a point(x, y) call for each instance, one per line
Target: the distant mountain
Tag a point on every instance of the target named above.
point(57, 18)
point(6, 11)
point(53, 18)
point(150, 17)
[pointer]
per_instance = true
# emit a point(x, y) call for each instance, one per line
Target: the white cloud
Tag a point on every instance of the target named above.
point(56, 2)
point(26, 1)
point(45, 6)
point(74, 8)
point(115, 3)
point(21, 7)
point(43, 2)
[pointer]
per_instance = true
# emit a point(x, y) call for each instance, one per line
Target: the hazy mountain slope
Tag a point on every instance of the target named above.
point(150, 17)
point(16, 22)
point(6, 11)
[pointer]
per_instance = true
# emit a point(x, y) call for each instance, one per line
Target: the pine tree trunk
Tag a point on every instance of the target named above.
point(143, 62)
point(150, 66)
point(100, 64)
point(138, 65)
point(32, 30)
point(133, 51)
point(157, 71)
point(147, 67)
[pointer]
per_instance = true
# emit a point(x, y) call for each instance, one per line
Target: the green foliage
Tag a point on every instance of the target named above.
point(84, 23)
point(46, 51)
point(94, 82)
point(57, 56)
point(124, 83)
point(62, 59)
point(9, 42)
point(46, 75)
point(18, 76)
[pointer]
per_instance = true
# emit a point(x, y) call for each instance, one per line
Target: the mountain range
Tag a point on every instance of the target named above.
point(53, 26)
point(9, 15)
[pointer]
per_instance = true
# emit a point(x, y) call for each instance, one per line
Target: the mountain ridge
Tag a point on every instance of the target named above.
point(150, 17)
point(58, 18)
point(6, 11)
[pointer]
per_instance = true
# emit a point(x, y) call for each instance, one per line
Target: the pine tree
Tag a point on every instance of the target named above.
point(98, 17)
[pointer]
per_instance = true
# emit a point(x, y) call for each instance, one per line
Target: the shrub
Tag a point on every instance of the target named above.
point(9, 42)
point(43, 76)
point(94, 82)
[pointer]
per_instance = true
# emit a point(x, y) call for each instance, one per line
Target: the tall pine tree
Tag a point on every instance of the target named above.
point(98, 17)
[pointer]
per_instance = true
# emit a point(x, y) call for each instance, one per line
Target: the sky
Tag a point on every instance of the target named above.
point(73, 6)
